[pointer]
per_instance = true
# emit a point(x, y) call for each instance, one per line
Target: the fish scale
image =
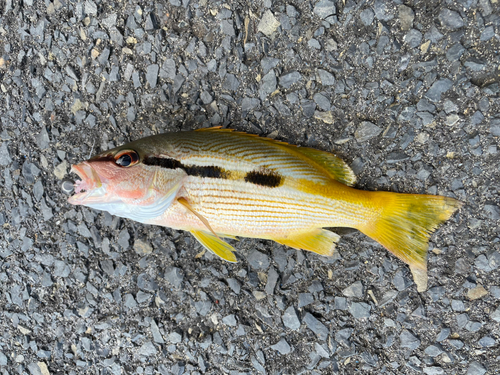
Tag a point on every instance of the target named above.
point(216, 183)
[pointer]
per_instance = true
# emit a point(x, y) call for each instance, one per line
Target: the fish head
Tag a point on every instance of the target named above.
point(119, 182)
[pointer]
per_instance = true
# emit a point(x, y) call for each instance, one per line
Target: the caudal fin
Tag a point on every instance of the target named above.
point(406, 222)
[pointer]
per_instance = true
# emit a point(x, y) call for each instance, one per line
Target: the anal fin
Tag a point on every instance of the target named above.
point(215, 244)
point(319, 241)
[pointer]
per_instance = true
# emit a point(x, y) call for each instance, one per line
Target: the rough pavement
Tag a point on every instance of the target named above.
point(407, 94)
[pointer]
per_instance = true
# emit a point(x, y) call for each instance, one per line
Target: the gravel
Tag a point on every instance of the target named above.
point(407, 95)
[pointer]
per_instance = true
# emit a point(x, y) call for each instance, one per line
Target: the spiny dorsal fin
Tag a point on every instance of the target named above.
point(335, 167)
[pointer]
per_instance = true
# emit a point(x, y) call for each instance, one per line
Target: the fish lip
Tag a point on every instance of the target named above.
point(89, 182)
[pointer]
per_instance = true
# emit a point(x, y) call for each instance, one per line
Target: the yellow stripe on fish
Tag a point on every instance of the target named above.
point(221, 183)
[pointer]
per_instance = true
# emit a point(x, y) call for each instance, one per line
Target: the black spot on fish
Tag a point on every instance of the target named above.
point(264, 178)
point(192, 170)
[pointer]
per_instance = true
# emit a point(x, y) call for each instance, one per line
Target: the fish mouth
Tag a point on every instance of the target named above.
point(89, 189)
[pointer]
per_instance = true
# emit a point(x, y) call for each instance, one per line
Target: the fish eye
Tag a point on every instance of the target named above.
point(127, 158)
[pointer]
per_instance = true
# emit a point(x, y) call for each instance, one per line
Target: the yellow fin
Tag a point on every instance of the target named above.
point(333, 165)
point(319, 241)
point(215, 245)
point(186, 204)
point(405, 223)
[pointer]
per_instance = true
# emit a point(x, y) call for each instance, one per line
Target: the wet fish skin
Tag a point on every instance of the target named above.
point(220, 183)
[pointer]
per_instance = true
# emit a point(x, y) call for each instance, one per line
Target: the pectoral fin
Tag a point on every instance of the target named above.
point(186, 204)
point(319, 241)
point(213, 243)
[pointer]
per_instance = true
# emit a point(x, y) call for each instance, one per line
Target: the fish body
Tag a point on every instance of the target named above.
point(218, 183)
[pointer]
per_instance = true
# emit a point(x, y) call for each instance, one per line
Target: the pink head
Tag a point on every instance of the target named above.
point(119, 182)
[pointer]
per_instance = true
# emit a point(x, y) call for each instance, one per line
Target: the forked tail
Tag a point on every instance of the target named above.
point(406, 221)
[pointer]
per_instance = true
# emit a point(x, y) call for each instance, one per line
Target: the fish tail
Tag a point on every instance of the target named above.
point(405, 222)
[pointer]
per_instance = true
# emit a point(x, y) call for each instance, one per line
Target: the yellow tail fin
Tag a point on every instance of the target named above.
point(406, 222)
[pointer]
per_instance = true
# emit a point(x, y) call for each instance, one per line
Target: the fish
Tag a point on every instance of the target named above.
point(219, 183)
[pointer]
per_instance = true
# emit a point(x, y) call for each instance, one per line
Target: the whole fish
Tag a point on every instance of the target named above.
point(218, 183)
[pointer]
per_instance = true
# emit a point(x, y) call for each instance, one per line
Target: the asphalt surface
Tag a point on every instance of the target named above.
point(407, 94)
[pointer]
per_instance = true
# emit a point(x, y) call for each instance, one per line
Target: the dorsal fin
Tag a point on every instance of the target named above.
point(330, 164)
point(333, 165)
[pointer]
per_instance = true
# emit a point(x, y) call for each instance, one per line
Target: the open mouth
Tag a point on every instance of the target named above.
point(89, 188)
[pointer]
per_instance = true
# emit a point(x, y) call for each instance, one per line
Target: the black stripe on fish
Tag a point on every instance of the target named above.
point(192, 170)
point(264, 178)
point(167, 163)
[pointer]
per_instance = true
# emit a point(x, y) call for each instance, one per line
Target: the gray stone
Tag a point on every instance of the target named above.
point(326, 78)
point(408, 340)
point(282, 346)
point(168, 69)
point(492, 211)
point(475, 368)
point(487, 34)
point(413, 38)
point(34, 369)
point(268, 23)
point(457, 305)
point(314, 43)
point(316, 326)
point(248, 104)
point(287, 80)
point(90, 7)
point(123, 239)
point(42, 140)
point(227, 27)
point(206, 98)
point(443, 334)
point(267, 85)
point(450, 19)
point(340, 303)
point(474, 64)
point(229, 320)
point(203, 307)
point(487, 341)
point(360, 310)
point(3, 359)
point(290, 319)
point(305, 299)
point(129, 301)
point(322, 102)
point(324, 9)
point(367, 16)
point(61, 269)
point(455, 52)
point(174, 276)
point(4, 155)
point(147, 349)
point(234, 285)
point(230, 83)
point(437, 89)
point(152, 75)
point(382, 11)
point(342, 336)
point(272, 278)
point(406, 17)
point(258, 260)
point(366, 130)
point(433, 370)
point(433, 350)
point(174, 337)
point(268, 63)
point(109, 21)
